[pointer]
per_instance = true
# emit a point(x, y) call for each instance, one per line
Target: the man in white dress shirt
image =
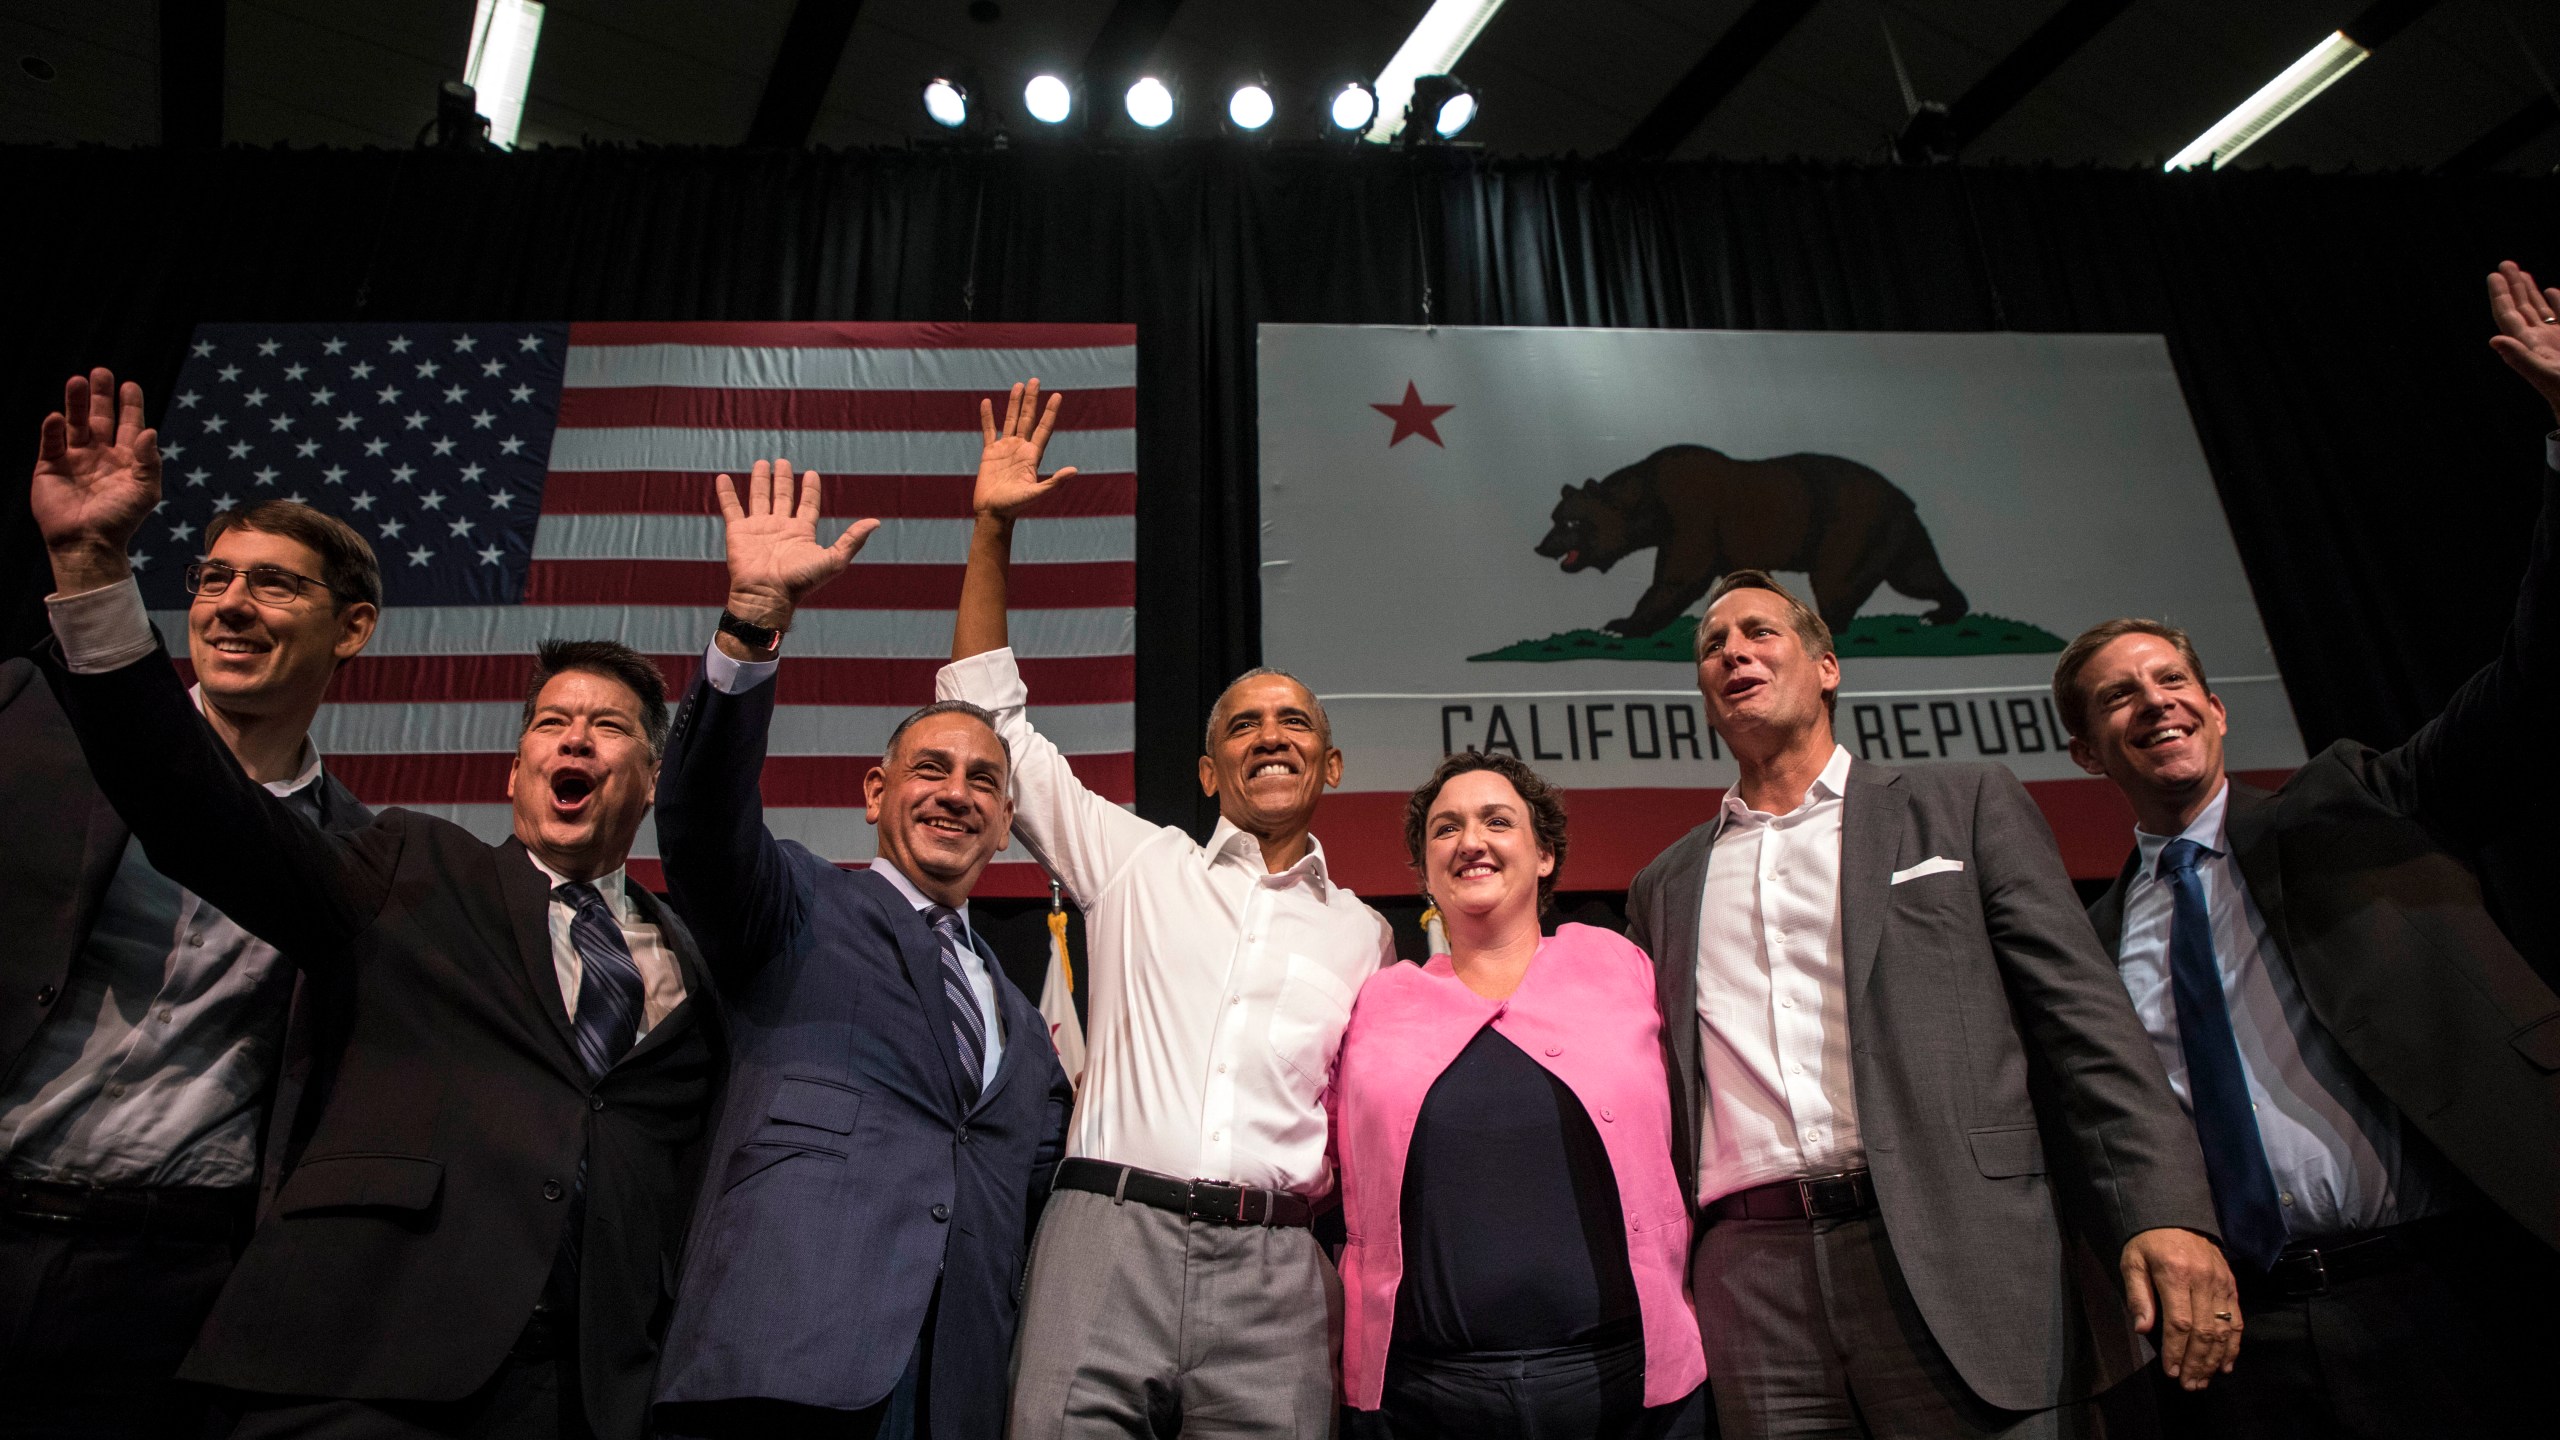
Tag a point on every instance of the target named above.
point(1878, 961)
point(1174, 1288)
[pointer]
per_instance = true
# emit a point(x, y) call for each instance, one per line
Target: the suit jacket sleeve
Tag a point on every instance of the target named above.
point(2136, 1146)
point(2457, 774)
point(208, 826)
point(728, 876)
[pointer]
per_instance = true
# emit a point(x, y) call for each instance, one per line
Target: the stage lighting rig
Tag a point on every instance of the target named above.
point(1149, 103)
point(946, 102)
point(1250, 108)
point(1442, 105)
point(1048, 99)
point(1353, 107)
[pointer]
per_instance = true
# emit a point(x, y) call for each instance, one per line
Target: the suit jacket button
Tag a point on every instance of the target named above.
point(551, 1190)
point(942, 1212)
point(964, 1137)
point(45, 995)
point(595, 1102)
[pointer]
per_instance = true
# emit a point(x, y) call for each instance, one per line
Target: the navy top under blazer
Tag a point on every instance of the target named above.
point(852, 1168)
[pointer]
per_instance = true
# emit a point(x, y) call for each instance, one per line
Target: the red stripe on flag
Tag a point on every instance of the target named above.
point(831, 781)
point(1081, 585)
point(695, 408)
point(816, 335)
point(805, 680)
point(901, 497)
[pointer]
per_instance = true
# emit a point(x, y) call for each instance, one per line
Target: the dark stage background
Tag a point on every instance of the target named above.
point(2379, 466)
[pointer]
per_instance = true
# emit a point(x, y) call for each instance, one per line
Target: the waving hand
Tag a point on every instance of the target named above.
point(97, 477)
point(775, 559)
point(1009, 466)
point(2528, 337)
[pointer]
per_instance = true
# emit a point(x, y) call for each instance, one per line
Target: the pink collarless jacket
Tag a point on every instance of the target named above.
point(1585, 1011)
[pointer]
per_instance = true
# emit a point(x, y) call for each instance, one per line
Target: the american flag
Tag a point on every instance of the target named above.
point(524, 482)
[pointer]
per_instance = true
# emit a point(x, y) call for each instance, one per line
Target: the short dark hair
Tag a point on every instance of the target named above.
point(614, 661)
point(1209, 727)
point(347, 565)
point(2072, 701)
point(978, 713)
point(1809, 625)
point(1545, 802)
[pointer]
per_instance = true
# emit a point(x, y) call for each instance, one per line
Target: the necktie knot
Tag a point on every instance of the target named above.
point(582, 895)
point(2181, 856)
point(946, 923)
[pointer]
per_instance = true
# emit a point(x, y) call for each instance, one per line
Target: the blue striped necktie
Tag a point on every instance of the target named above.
point(610, 991)
point(2235, 1157)
point(968, 1030)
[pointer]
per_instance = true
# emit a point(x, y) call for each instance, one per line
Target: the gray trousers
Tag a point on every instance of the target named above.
point(1140, 1323)
point(1811, 1332)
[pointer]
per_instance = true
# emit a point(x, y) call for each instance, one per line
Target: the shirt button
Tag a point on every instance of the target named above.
point(1217, 1134)
point(165, 1013)
point(116, 1091)
point(1778, 935)
point(2287, 1197)
point(45, 995)
point(1222, 1067)
point(1237, 1001)
point(1788, 1004)
point(551, 1190)
point(1555, 1050)
point(1608, 1114)
point(195, 940)
point(941, 1212)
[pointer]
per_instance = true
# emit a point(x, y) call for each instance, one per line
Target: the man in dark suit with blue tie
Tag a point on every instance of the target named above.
point(894, 1106)
point(2350, 1017)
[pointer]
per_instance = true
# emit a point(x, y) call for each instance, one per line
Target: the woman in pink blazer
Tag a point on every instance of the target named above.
point(1517, 1240)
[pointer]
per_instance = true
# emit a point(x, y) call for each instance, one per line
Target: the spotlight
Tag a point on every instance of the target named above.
point(1354, 106)
point(946, 103)
point(1149, 103)
point(1444, 101)
point(1048, 99)
point(1250, 107)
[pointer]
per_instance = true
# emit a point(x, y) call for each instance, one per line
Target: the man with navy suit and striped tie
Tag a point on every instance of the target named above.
point(894, 1105)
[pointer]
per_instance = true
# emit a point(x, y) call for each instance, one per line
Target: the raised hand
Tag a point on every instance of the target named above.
point(774, 556)
point(1009, 466)
point(97, 478)
point(2528, 337)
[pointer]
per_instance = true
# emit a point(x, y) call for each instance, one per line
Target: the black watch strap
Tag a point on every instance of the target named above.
point(754, 637)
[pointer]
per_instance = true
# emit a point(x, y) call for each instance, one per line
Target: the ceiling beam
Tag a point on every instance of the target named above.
point(1682, 109)
point(804, 69)
point(191, 73)
point(2504, 138)
point(2023, 69)
point(1129, 34)
point(2383, 19)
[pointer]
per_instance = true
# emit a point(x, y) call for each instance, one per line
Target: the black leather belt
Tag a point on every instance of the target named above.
point(190, 1212)
point(1214, 1201)
point(1816, 1197)
point(2314, 1267)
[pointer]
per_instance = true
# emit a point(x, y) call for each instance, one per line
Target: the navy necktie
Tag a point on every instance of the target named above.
point(2235, 1158)
point(610, 991)
point(968, 1030)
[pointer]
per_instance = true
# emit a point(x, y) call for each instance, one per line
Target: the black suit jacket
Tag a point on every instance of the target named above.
point(859, 1168)
point(404, 1254)
point(66, 843)
point(2363, 864)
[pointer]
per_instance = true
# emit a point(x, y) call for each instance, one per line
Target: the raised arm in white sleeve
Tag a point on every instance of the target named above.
point(1084, 839)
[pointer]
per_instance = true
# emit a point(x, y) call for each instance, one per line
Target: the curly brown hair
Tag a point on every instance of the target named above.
point(1545, 802)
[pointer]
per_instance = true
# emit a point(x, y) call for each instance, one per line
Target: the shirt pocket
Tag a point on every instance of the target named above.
point(1308, 1017)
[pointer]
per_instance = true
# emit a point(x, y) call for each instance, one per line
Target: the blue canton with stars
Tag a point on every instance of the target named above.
point(431, 440)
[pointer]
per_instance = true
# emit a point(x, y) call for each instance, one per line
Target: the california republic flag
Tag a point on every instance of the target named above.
point(1058, 1002)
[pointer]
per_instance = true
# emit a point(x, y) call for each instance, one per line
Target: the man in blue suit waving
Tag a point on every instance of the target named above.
point(894, 1106)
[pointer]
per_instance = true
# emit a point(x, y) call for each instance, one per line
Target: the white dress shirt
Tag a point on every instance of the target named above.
point(661, 980)
point(1218, 992)
point(1773, 1001)
point(2332, 1141)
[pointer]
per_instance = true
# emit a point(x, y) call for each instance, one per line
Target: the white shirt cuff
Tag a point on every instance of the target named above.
point(990, 681)
point(732, 676)
point(102, 629)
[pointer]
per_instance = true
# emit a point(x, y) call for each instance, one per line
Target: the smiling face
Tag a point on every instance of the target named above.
point(254, 658)
point(940, 805)
point(1761, 686)
point(1269, 759)
point(1480, 852)
point(583, 776)
point(2151, 727)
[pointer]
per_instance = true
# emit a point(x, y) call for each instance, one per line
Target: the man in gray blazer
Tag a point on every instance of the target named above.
point(1918, 1112)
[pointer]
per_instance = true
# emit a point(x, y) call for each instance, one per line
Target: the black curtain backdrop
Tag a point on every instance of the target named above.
point(2378, 466)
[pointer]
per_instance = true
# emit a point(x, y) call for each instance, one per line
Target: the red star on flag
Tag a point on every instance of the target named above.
point(1412, 417)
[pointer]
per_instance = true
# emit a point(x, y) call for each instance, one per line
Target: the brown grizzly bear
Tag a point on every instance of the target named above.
point(1706, 513)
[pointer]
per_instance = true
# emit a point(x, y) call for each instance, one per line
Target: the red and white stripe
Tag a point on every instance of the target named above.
point(628, 548)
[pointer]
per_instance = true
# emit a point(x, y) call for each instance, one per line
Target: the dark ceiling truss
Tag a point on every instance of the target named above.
point(804, 68)
point(2505, 138)
point(191, 74)
point(1686, 106)
point(2020, 71)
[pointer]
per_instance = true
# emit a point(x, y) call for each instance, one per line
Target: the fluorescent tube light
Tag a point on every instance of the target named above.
point(1442, 35)
point(2301, 81)
point(503, 34)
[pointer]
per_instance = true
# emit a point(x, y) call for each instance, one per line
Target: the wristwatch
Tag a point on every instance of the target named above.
point(754, 637)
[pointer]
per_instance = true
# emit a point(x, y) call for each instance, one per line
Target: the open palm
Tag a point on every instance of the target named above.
point(2528, 337)
point(772, 538)
point(97, 468)
point(1009, 466)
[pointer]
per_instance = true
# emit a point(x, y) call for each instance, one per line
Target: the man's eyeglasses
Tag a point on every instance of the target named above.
point(268, 584)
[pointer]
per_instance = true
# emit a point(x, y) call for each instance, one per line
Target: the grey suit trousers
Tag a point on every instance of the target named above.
point(1811, 1332)
point(1140, 1323)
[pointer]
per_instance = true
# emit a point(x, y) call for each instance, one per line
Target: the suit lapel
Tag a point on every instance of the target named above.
point(1019, 1020)
point(921, 950)
point(528, 900)
point(2248, 826)
point(2107, 916)
point(679, 945)
point(1870, 840)
point(1675, 985)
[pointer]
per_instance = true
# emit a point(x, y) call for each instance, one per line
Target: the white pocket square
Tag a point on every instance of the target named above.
point(1934, 865)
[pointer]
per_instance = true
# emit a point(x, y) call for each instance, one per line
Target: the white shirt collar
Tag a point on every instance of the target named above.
point(1831, 784)
point(2206, 830)
point(889, 871)
point(305, 774)
point(1227, 840)
point(609, 886)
